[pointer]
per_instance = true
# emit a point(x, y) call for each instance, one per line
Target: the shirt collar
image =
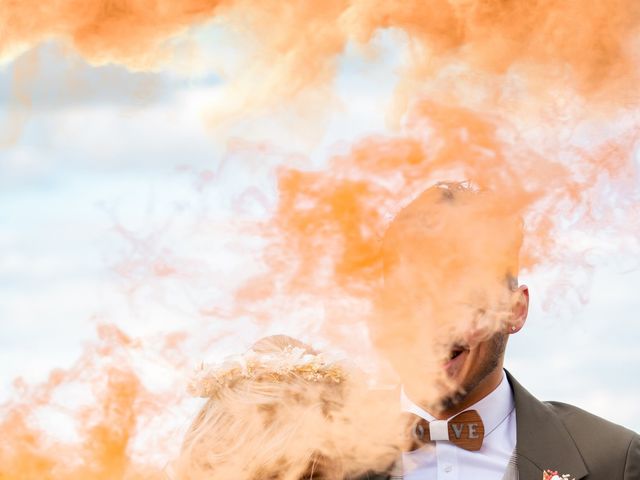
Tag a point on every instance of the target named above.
point(493, 408)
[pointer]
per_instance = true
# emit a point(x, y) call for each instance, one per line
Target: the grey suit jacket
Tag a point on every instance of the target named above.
point(561, 437)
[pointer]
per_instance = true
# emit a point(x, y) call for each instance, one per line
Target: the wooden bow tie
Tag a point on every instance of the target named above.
point(465, 430)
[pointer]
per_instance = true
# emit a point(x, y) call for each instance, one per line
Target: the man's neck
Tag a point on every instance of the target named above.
point(484, 388)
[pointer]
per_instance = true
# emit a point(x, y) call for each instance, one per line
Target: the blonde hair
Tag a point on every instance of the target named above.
point(288, 427)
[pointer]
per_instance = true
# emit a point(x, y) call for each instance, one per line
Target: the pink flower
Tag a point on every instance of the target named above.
point(554, 475)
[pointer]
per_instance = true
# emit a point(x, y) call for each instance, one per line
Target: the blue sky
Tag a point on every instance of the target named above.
point(116, 148)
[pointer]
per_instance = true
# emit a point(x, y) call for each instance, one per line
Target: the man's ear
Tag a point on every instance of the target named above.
point(519, 309)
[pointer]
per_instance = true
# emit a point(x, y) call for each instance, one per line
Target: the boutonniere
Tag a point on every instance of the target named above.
point(553, 475)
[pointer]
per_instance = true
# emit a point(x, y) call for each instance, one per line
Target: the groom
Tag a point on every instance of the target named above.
point(450, 301)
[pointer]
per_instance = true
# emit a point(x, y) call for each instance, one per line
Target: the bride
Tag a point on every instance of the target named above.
point(283, 411)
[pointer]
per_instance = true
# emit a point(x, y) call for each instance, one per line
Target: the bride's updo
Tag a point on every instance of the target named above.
point(283, 411)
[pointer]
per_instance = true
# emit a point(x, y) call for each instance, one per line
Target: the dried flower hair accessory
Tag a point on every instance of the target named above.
point(291, 362)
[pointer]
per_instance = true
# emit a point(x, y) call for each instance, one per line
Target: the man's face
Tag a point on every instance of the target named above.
point(446, 343)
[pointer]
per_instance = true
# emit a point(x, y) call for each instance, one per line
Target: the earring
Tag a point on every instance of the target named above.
point(513, 328)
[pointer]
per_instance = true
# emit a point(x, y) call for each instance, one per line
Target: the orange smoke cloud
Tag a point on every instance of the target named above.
point(528, 100)
point(100, 405)
point(121, 31)
point(330, 226)
point(542, 38)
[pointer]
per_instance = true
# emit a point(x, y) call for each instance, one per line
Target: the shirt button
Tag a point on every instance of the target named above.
point(448, 468)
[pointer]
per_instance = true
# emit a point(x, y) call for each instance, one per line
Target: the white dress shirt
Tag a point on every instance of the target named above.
point(449, 462)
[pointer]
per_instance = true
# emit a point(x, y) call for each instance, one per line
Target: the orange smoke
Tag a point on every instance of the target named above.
point(104, 408)
point(299, 40)
point(531, 101)
point(329, 224)
point(129, 32)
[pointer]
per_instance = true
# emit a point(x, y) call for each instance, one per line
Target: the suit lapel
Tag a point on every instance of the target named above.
point(542, 439)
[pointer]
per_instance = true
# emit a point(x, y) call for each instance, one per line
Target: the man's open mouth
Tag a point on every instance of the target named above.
point(456, 351)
